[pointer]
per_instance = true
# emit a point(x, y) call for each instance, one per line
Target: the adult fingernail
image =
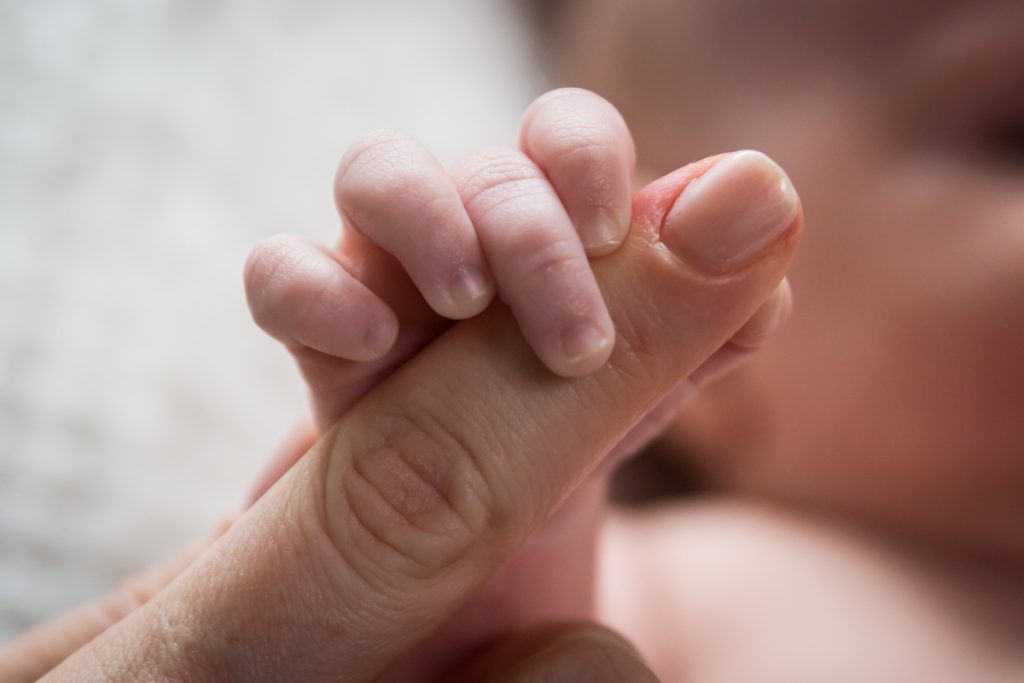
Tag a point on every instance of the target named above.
point(470, 290)
point(730, 215)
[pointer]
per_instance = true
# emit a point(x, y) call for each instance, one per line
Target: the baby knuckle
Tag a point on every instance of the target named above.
point(574, 119)
point(497, 177)
point(377, 170)
point(415, 500)
point(589, 162)
point(542, 256)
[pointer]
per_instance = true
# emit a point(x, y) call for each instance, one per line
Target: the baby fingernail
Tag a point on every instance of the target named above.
point(380, 337)
point(731, 214)
point(583, 341)
point(601, 234)
point(470, 289)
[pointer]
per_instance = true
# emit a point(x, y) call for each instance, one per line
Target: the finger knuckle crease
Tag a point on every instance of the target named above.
point(580, 151)
point(500, 180)
point(636, 355)
point(417, 495)
point(555, 256)
point(381, 168)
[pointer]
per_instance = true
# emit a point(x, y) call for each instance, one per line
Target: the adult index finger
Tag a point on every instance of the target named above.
point(398, 515)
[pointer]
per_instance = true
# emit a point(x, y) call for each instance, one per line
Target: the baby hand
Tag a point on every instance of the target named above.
point(422, 246)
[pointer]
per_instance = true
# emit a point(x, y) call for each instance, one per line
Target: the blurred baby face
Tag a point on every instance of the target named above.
point(897, 389)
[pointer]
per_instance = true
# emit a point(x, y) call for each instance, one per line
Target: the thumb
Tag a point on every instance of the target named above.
point(396, 517)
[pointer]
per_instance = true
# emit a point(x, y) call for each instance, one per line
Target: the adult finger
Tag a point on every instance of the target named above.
point(39, 650)
point(299, 440)
point(744, 342)
point(395, 518)
point(582, 144)
point(749, 338)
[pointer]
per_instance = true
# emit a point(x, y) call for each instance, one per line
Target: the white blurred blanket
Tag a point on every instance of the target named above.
point(144, 148)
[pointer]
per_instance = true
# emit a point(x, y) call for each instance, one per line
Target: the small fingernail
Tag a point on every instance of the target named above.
point(583, 341)
point(731, 214)
point(601, 235)
point(380, 337)
point(470, 289)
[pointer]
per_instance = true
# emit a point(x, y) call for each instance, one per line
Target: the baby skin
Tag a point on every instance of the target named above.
point(866, 485)
point(793, 572)
point(423, 246)
point(421, 525)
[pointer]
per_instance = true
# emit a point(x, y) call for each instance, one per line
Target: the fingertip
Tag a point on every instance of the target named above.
point(583, 144)
point(300, 294)
point(393, 191)
point(470, 290)
point(584, 347)
point(263, 266)
point(732, 214)
point(381, 334)
point(603, 233)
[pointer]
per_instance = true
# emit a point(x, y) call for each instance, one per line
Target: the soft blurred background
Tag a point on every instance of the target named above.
point(144, 149)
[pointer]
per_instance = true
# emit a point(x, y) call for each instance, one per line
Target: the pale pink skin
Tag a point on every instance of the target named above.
point(586, 152)
point(355, 562)
point(894, 399)
point(908, 229)
point(360, 577)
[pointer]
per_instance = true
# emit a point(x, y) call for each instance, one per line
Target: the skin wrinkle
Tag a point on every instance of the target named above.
point(493, 161)
point(521, 194)
point(717, 286)
point(340, 550)
point(394, 172)
point(418, 429)
point(483, 483)
point(327, 565)
point(413, 393)
point(425, 569)
point(331, 560)
point(377, 145)
point(430, 423)
point(444, 241)
point(553, 257)
point(502, 172)
point(582, 150)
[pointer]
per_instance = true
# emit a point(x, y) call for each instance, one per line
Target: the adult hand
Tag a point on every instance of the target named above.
point(398, 516)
